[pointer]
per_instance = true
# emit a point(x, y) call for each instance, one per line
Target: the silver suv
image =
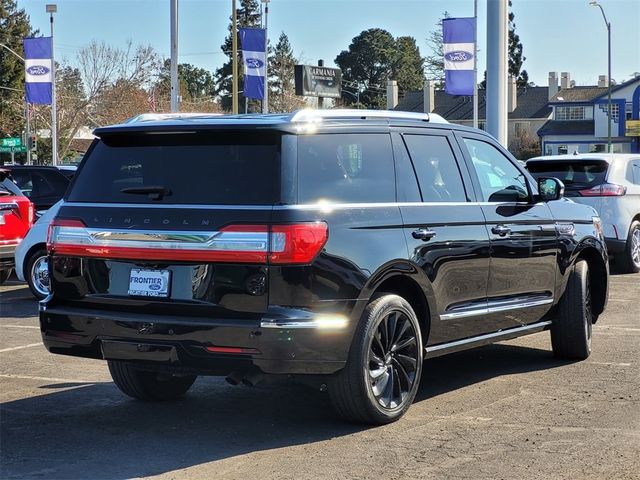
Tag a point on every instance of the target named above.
point(610, 183)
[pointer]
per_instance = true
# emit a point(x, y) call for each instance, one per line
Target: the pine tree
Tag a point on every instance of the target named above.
point(282, 97)
point(516, 58)
point(248, 15)
point(408, 69)
point(14, 26)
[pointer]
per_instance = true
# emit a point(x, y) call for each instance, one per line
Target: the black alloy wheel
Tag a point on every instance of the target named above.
point(393, 359)
point(382, 374)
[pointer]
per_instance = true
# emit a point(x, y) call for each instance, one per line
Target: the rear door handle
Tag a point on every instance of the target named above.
point(423, 234)
point(501, 230)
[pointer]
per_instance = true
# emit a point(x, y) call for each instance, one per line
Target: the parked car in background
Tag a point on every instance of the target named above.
point(610, 183)
point(338, 247)
point(16, 217)
point(31, 261)
point(67, 170)
point(43, 185)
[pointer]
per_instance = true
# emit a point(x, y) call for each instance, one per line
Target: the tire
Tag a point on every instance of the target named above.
point(36, 273)
point(629, 260)
point(5, 274)
point(146, 385)
point(571, 330)
point(382, 374)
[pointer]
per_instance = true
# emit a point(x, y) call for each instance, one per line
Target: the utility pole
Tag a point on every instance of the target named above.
point(496, 102)
point(321, 99)
point(175, 86)
point(265, 100)
point(51, 9)
point(234, 60)
point(475, 67)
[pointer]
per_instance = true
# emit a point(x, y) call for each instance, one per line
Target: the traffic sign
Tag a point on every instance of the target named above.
point(20, 149)
point(11, 142)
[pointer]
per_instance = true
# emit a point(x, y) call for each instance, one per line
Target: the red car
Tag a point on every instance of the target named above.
point(16, 217)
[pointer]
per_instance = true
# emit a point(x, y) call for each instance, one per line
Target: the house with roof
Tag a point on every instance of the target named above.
point(528, 107)
point(580, 118)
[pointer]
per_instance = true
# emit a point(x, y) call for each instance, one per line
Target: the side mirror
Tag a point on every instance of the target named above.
point(550, 188)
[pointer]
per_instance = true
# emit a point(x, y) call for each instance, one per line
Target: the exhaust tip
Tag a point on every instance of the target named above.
point(234, 378)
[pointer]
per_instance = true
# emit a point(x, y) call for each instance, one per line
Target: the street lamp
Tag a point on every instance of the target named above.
point(594, 3)
point(52, 8)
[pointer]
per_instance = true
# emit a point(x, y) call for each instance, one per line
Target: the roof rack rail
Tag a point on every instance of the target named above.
point(157, 117)
point(311, 115)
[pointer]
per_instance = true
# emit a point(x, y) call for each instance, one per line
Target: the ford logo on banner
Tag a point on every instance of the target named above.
point(458, 56)
point(254, 63)
point(37, 70)
point(155, 286)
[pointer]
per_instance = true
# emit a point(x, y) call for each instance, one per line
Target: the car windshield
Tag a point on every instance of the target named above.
point(575, 175)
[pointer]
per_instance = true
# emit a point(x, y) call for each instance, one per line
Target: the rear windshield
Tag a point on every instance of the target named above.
point(575, 175)
point(181, 168)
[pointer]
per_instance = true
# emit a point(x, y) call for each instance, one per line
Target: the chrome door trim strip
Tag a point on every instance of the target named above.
point(495, 309)
point(308, 206)
point(488, 337)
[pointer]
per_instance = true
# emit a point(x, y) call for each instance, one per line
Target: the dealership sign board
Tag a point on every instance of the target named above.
point(312, 81)
point(632, 128)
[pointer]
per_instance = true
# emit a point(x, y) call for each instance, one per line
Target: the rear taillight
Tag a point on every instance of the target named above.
point(604, 190)
point(31, 213)
point(279, 244)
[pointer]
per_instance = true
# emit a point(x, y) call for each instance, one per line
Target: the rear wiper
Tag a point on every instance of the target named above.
point(155, 192)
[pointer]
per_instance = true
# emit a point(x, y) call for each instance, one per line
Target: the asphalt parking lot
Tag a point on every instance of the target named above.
point(508, 410)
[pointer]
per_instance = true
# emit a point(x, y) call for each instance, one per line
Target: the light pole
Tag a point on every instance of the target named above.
point(175, 86)
point(594, 3)
point(265, 100)
point(26, 107)
point(51, 9)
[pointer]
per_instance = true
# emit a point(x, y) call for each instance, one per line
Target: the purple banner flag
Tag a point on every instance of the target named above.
point(252, 41)
point(38, 63)
point(459, 39)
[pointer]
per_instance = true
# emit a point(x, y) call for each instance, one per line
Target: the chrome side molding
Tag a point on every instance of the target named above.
point(464, 344)
point(495, 307)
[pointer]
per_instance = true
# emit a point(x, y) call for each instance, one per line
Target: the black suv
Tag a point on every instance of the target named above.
point(43, 185)
point(339, 247)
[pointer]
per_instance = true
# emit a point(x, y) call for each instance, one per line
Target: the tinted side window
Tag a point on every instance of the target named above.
point(500, 180)
point(436, 167)
point(24, 181)
point(345, 168)
point(406, 183)
point(49, 184)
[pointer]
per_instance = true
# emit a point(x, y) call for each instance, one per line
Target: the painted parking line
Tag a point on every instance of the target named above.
point(20, 326)
point(21, 347)
point(47, 379)
point(614, 364)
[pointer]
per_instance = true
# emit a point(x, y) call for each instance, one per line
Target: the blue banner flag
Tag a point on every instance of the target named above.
point(459, 39)
point(252, 42)
point(38, 56)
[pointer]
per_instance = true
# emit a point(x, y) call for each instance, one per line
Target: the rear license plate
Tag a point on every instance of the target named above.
point(149, 283)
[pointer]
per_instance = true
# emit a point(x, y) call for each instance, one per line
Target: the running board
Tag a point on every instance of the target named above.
point(464, 344)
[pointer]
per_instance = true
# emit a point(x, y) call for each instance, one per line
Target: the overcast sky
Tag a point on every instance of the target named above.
point(558, 35)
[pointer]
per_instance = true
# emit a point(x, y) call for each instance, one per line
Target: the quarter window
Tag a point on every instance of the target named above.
point(345, 168)
point(436, 167)
point(500, 180)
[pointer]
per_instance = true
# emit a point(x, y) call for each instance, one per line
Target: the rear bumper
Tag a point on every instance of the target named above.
point(7, 256)
point(285, 341)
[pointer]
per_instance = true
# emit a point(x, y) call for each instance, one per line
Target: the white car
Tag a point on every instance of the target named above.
point(610, 183)
point(31, 255)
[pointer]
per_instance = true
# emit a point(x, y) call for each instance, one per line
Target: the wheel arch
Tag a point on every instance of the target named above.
point(598, 277)
point(35, 247)
point(406, 280)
